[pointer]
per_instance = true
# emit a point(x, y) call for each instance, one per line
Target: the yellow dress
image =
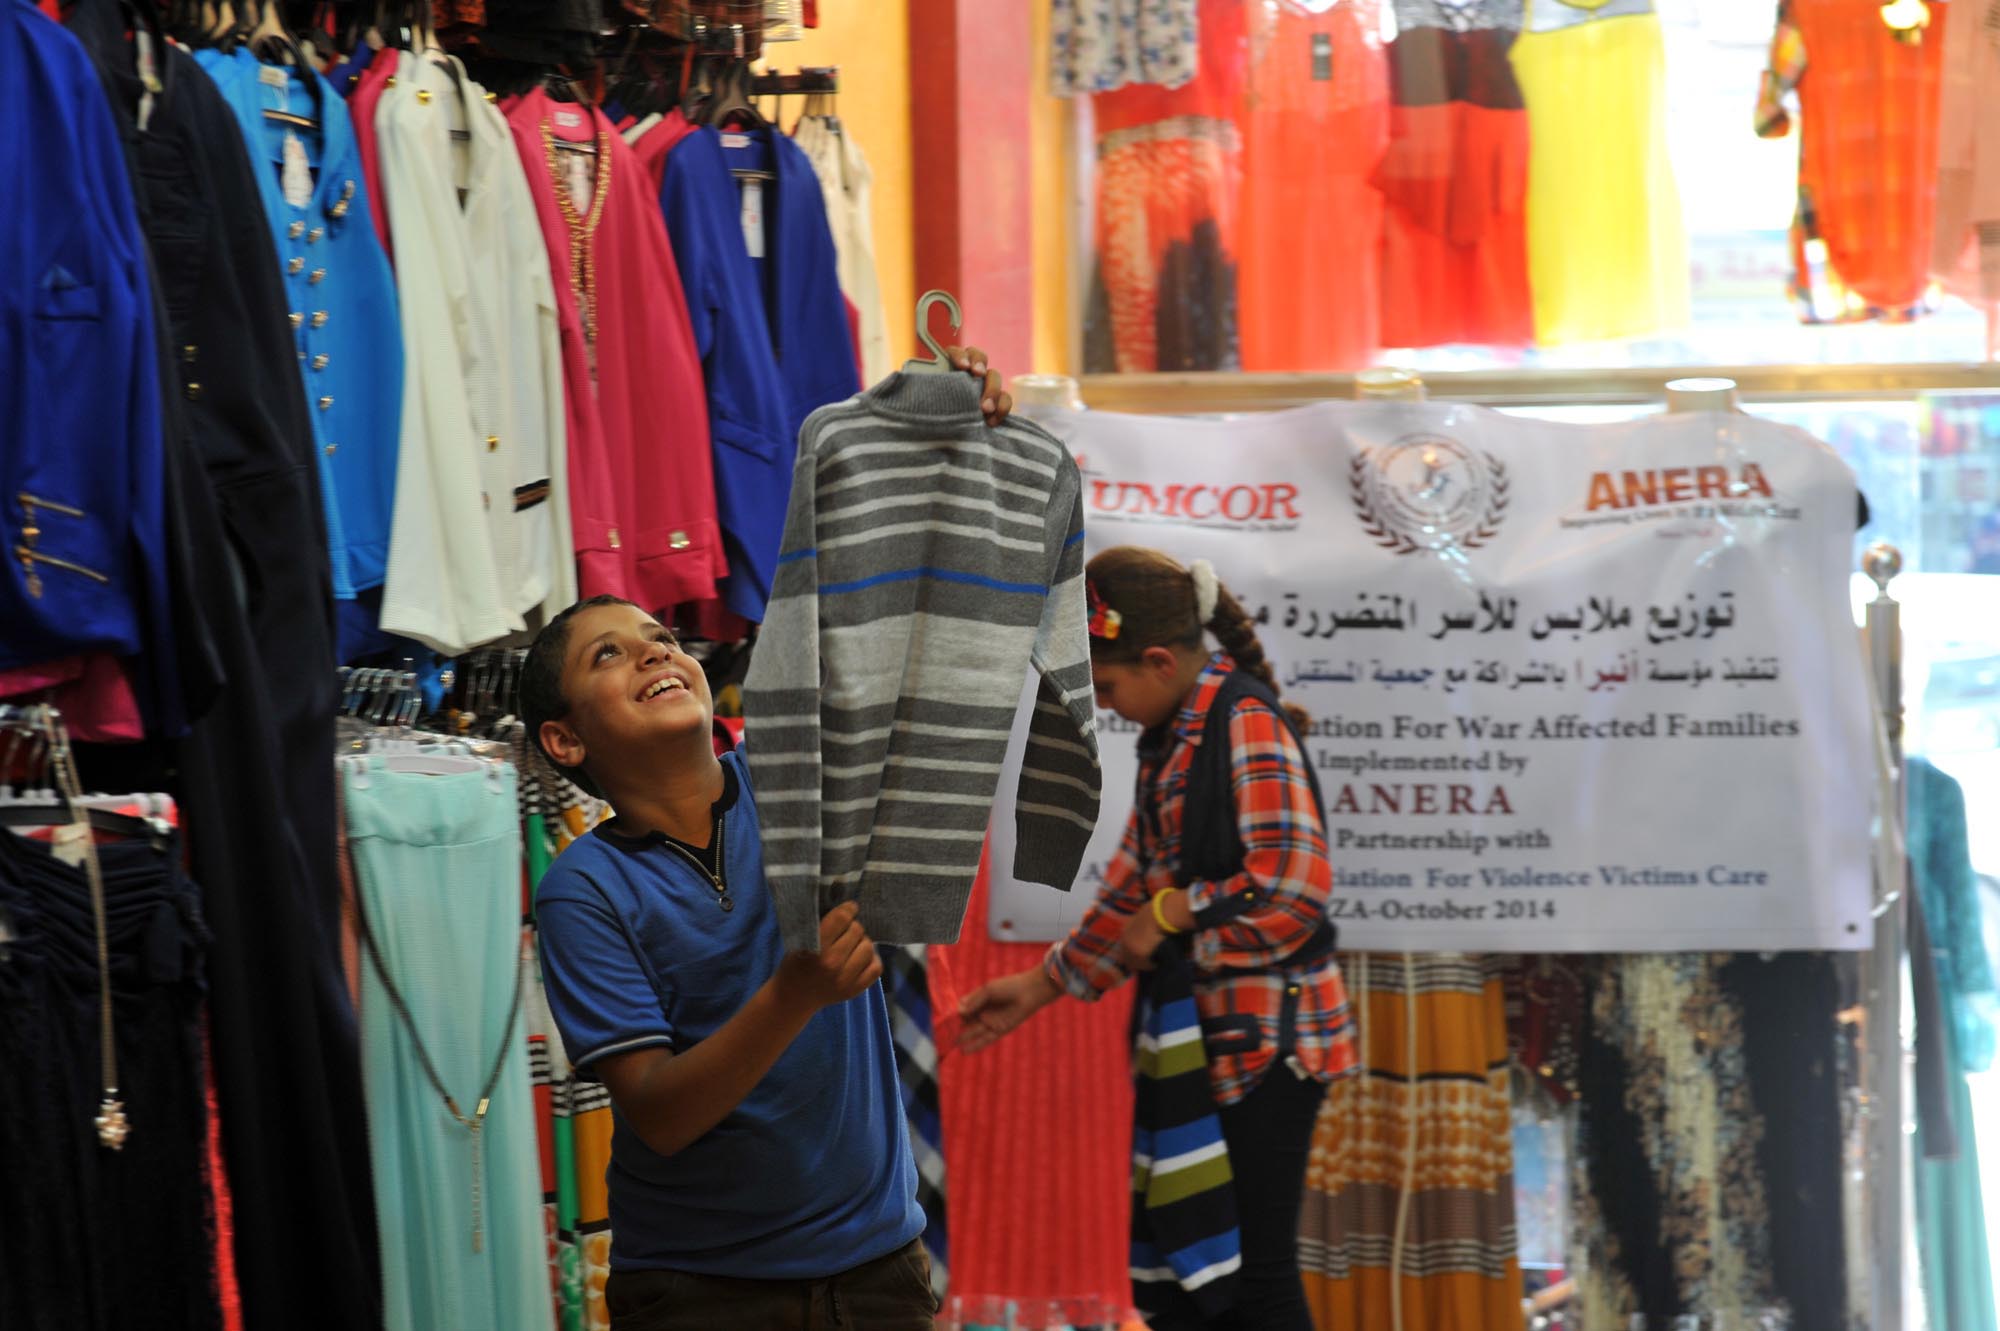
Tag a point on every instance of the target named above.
point(1607, 245)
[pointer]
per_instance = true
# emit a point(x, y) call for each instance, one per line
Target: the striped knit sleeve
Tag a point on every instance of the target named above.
point(781, 696)
point(1057, 808)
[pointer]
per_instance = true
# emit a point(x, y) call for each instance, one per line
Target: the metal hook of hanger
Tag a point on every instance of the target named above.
point(937, 364)
point(405, 715)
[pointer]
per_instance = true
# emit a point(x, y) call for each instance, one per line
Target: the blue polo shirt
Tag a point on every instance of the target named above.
point(811, 1175)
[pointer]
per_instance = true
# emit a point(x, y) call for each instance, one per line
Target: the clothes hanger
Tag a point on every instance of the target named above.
point(273, 43)
point(730, 106)
point(47, 806)
point(938, 363)
point(563, 88)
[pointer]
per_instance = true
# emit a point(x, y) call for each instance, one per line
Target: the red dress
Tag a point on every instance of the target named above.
point(1315, 123)
point(1455, 251)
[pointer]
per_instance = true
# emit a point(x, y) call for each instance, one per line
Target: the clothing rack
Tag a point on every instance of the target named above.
point(808, 79)
point(384, 697)
point(733, 28)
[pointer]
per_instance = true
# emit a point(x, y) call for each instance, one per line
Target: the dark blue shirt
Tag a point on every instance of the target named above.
point(811, 1175)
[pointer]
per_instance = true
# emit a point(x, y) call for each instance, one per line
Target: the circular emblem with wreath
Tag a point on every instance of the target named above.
point(1427, 492)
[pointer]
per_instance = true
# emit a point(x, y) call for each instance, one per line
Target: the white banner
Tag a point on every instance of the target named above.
point(1574, 688)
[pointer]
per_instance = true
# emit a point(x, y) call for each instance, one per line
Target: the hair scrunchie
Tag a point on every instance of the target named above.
point(1205, 590)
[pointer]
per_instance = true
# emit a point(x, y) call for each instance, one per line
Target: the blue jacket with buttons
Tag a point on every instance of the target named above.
point(342, 298)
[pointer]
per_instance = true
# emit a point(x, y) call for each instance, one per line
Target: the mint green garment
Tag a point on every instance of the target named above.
point(437, 868)
point(1951, 1213)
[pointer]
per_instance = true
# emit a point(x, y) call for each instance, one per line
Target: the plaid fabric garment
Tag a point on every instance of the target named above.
point(1240, 965)
point(906, 983)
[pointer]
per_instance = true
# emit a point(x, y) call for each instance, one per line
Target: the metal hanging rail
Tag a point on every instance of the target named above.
point(1211, 394)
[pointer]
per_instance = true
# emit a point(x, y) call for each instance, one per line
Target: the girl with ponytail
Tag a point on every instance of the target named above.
point(1222, 878)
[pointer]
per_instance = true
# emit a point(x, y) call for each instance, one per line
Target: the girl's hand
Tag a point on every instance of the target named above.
point(1141, 939)
point(995, 1008)
point(994, 403)
point(1143, 934)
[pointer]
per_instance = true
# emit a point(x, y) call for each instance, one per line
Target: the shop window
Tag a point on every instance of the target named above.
point(1466, 185)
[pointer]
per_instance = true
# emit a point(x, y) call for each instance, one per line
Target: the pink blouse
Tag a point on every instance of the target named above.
point(642, 486)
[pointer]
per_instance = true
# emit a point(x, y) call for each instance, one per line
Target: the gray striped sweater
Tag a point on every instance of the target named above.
point(928, 561)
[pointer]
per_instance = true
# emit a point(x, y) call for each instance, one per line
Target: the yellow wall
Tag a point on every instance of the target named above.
point(1050, 134)
point(870, 41)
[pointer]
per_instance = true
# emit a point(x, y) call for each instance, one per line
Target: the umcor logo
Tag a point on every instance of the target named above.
point(1272, 505)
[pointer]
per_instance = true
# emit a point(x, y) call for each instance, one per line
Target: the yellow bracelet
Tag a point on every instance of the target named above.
point(1160, 915)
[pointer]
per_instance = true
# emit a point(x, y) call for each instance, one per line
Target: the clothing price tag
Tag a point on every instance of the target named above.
point(1322, 57)
point(753, 217)
point(149, 74)
point(296, 180)
point(70, 843)
point(579, 183)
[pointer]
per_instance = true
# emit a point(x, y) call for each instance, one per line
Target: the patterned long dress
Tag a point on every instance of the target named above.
point(1408, 1222)
point(1708, 1169)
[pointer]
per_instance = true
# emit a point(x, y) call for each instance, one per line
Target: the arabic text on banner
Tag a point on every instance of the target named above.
point(1589, 688)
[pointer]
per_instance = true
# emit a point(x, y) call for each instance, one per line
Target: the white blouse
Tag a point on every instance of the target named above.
point(481, 539)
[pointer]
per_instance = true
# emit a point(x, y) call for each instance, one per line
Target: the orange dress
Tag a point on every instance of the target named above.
point(1455, 249)
point(1868, 107)
point(1315, 122)
point(1169, 167)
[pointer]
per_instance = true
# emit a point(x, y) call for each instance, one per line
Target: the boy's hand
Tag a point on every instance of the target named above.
point(994, 403)
point(997, 1007)
point(843, 968)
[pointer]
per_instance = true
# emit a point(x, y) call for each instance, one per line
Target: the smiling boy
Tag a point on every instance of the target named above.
point(760, 1165)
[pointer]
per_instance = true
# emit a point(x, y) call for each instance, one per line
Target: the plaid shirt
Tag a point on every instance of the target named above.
point(1240, 964)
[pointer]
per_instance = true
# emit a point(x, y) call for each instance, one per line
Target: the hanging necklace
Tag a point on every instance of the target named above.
point(477, 1122)
point(582, 227)
point(715, 876)
point(113, 1127)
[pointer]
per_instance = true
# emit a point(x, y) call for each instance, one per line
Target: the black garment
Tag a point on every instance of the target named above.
point(253, 776)
point(1269, 1134)
point(1756, 1037)
point(1194, 324)
point(892, 1293)
point(1211, 845)
point(93, 1239)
